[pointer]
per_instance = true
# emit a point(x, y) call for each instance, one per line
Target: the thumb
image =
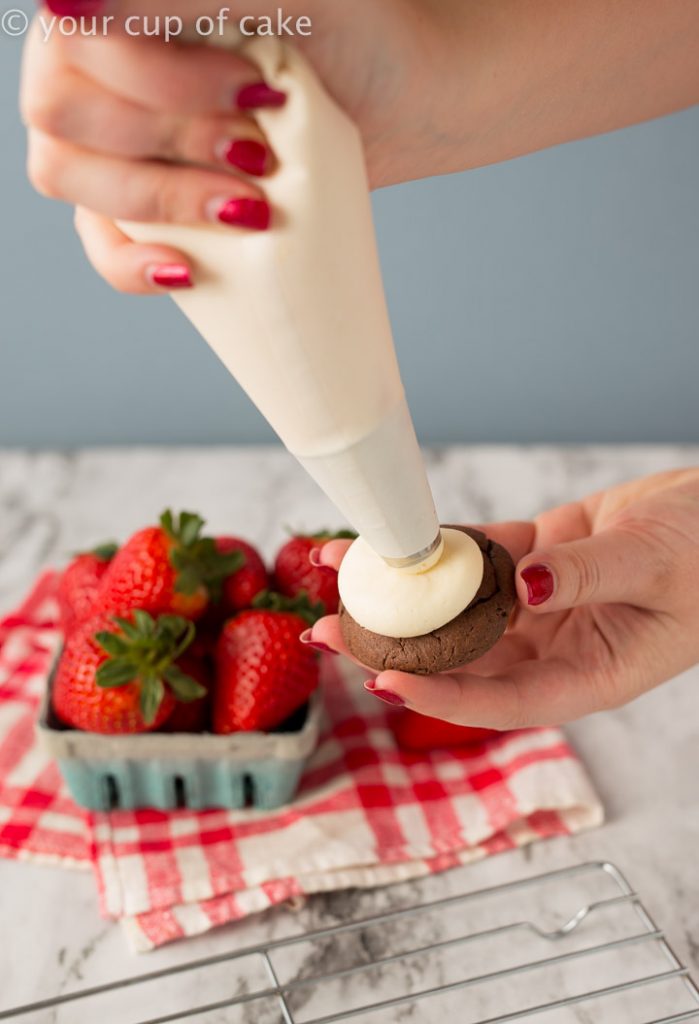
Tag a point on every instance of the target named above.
point(616, 566)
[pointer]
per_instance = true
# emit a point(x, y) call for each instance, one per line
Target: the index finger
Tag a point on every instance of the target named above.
point(162, 76)
point(530, 693)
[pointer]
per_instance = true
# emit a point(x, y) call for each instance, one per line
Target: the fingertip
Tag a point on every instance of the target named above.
point(435, 695)
point(457, 697)
point(332, 553)
point(258, 96)
point(128, 266)
point(169, 276)
point(326, 631)
point(314, 558)
point(247, 155)
point(240, 211)
point(138, 270)
point(309, 640)
point(536, 584)
point(385, 695)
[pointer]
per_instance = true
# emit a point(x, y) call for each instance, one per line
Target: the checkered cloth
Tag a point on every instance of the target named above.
point(367, 814)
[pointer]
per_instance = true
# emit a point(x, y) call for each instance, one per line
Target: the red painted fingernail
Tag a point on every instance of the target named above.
point(321, 647)
point(74, 8)
point(247, 155)
point(245, 213)
point(539, 581)
point(170, 275)
point(259, 94)
point(387, 696)
point(307, 638)
point(314, 559)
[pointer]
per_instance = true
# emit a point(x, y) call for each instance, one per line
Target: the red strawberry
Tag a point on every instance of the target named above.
point(242, 587)
point(294, 574)
point(79, 583)
point(192, 716)
point(168, 568)
point(413, 731)
point(118, 675)
point(204, 642)
point(263, 671)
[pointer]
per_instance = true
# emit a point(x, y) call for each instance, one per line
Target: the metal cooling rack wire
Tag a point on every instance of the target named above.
point(281, 991)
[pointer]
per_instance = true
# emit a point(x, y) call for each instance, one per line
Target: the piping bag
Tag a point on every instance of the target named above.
point(298, 315)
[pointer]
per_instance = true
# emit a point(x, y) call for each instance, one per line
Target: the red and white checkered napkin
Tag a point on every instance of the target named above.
point(367, 814)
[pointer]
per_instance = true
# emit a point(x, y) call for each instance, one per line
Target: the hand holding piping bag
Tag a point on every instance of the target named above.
point(130, 129)
point(608, 595)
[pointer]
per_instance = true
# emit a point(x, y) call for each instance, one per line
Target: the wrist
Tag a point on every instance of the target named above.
point(423, 123)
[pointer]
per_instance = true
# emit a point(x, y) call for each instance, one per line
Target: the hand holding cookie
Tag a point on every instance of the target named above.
point(608, 593)
point(474, 579)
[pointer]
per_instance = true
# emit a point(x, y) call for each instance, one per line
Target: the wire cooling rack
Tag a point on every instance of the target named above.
point(569, 946)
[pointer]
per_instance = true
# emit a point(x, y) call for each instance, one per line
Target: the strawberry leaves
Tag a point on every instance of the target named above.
point(197, 560)
point(323, 535)
point(299, 605)
point(104, 552)
point(115, 673)
point(183, 686)
point(150, 698)
point(143, 651)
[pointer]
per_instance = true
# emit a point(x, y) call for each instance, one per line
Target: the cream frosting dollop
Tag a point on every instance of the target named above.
point(397, 603)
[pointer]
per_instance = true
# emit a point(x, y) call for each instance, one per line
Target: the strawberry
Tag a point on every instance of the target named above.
point(79, 583)
point(204, 642)
point(413, 731)
point(241, 588)
point(192, 716)
point(118, 675)
point(294, 574)
point(263, 671)
point(169, 568)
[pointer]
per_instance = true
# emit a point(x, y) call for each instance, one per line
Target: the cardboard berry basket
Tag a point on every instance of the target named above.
point(193, 770)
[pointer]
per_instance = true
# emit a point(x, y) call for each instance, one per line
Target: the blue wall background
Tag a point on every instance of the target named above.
point(553, 298)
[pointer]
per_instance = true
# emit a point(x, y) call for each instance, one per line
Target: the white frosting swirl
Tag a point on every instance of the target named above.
point(397, 603)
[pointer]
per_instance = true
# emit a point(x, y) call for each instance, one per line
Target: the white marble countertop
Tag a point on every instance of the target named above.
point(644, 758)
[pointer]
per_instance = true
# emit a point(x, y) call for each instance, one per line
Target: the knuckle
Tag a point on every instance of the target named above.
point(79, 220)
point(605, 686)
point(657, 554)
point(585, 576)
point(45, 166)
point(103, 262)
point(173, 138)
point(159, 198)
point(149, 196)
point(514, 713)
point(51, 105)
point(44, 111)
point(167, 197)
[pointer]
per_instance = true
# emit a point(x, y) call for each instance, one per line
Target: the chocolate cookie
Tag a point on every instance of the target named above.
point(468, 636)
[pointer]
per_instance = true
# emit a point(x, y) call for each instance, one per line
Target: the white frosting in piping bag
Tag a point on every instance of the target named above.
point(298, 314)
point(394, 603)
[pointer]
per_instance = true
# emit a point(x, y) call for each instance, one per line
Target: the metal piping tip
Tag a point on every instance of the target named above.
point(422, 560)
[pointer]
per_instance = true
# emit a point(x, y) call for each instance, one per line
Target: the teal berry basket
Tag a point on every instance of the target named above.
point(175, 770)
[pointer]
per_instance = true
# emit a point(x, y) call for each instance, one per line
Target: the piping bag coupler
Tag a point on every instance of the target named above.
point(298, 315)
